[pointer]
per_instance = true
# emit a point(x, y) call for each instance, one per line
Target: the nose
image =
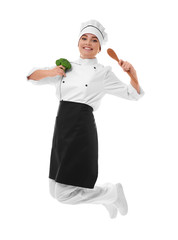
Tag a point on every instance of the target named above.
point(88, 42)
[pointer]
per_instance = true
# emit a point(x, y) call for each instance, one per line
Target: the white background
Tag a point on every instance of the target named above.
point(137, 140)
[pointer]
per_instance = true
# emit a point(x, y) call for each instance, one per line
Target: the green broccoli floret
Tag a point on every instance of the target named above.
point(64, 62)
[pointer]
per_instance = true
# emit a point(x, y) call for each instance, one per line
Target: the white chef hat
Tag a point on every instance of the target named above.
point(94, 27)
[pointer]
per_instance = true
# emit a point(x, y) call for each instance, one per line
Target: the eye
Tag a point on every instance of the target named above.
point(95, 40)
point(84, 38)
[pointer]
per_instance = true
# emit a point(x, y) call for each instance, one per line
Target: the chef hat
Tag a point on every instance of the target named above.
point(94, 27)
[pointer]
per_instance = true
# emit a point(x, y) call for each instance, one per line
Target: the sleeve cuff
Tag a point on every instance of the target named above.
point(133, 92)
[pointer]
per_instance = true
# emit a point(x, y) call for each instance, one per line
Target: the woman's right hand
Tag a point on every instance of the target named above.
point(59, 70)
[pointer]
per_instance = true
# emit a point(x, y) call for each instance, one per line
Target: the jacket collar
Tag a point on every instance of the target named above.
point(87, 61)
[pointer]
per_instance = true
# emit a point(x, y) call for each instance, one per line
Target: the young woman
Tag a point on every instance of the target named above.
point(74, 154)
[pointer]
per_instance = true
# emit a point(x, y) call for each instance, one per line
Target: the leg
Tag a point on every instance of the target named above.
point(105, 194)
point(110, 195)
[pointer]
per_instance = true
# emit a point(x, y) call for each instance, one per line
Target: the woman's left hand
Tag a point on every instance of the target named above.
point(127, 67)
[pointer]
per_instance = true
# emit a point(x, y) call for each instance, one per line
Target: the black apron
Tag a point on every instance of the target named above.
point(74, 153)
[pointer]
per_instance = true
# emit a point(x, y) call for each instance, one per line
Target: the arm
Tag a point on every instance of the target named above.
point(39, 74)
point(113, 86)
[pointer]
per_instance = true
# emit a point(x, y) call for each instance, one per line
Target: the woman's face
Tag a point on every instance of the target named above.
point(89, 46)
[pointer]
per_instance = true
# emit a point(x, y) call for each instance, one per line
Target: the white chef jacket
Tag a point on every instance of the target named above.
point(87, 82)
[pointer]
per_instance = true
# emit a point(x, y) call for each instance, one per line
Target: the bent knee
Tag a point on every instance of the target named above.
point(61, 192)
point(52, 187)
point(57, 190)
point(67, 194)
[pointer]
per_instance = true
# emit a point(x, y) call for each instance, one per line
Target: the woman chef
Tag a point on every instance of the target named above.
point(74, 154)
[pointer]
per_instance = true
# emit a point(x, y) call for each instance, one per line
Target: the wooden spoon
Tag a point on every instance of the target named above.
point(112, 54)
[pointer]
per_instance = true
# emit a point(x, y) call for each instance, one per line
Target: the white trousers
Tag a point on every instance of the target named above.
point(105, 194)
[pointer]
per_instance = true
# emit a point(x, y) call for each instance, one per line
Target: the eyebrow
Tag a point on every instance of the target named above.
point(87, 36)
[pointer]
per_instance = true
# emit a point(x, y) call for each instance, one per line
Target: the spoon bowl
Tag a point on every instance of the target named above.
point(112, 54)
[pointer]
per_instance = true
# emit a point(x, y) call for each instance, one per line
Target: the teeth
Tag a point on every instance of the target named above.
point(87, 48)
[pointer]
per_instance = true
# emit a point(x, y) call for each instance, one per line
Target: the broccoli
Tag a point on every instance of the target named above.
point(64, 62)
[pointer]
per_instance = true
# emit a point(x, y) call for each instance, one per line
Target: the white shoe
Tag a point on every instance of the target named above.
point(112, 209)
point(121, 202)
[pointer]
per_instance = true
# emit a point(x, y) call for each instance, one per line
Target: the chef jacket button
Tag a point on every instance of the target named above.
point(86, 85)
point(94, 67)
point(63, 81)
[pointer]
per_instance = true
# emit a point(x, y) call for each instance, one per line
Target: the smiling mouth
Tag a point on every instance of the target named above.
point(88, 48)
